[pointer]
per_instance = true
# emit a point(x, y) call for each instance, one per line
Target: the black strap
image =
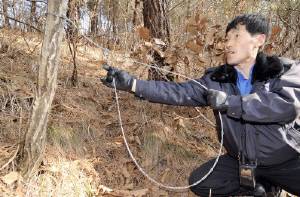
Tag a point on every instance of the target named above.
point(242, 147)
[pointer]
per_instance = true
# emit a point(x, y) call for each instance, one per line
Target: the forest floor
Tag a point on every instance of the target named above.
point(85, 152)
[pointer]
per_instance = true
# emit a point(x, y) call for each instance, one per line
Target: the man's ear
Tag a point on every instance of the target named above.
point(261, 38)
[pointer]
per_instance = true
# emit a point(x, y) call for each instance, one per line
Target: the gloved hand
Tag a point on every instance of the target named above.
point(217, 100)
point(120, 78)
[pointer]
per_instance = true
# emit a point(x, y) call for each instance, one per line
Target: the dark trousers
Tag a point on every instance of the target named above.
point(224, 179)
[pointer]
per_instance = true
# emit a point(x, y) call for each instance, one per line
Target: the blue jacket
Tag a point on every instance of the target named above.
point(267, 117)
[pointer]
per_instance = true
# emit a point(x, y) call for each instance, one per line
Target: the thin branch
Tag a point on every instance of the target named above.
point(21, 22)
point(14, 156)
point(176, 6)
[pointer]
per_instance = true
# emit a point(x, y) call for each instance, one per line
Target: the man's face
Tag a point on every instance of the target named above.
point(240, 47)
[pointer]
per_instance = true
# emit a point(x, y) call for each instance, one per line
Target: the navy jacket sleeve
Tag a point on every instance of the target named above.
point(280, 104)
point(184, 94)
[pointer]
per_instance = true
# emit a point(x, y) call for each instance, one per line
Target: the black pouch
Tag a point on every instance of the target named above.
point(247, 175)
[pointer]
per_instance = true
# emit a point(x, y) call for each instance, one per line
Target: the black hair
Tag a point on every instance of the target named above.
point(254, 22)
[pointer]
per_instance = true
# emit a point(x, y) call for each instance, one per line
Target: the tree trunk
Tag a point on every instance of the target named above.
point(71, 35)
point(7, 24)
point(31, 154)
point(94, 14)
point(156, 19)
point(134, 19)
point(32, 18)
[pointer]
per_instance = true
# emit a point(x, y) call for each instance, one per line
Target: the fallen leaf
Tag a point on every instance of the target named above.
point(197, 17)
point(125, 172)
point(51, 169)
point(163, 179)
point(192, 30)
point(10, 178)
point(181, 123)
point(148, 44)
point(204, 21)
point(134, 193)
point(119, 140)
point(201, 58)
point(193, 47)
point(104, 190)
point(144, 33)
point(275, 31)
point(159, 41)
point(190, 22)
point(137, 139)
point(129, 186)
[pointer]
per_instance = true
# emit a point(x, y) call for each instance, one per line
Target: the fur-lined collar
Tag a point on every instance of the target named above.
point(266, 67)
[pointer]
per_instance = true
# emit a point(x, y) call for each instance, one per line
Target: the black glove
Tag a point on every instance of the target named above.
point(120, 78)
point(217, 100)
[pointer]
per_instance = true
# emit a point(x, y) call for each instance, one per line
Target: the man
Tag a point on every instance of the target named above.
point(259, 99)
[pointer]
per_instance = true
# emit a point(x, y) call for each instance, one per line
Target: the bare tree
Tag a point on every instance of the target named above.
point(7, 24)
point(72, 35)
point(134, 19)
point(32, 18)
point(156, 19)
point(93, 6)
point(31, 154)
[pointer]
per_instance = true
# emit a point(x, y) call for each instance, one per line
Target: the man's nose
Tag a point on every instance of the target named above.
point(228, 43)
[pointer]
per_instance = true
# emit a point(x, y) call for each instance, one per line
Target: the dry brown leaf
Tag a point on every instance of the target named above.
point(125, 172)
point(163, 179)
point(176, 47)
point(137, 139)
point(144, 33)
point(275, 31)
point(129, 186)
point(107, 172)
point(190, 22)
point(159, 41)
point(175, 123)
point(170, 60)
point(119, 140)
point(22, 91)
point(210, 38)
point(203, 29)
point(158, 49)
point(192, 30)
point(217, 26)
point(144, 50)
point(148, 44)
point(189, 57)
point(134, 193)
point(181, 123)
point(51, 169)
point(168, 52)
point(201, 58)
point(10, 178)
point(204, 21)
point(104, 190)
point(220, 47)
point(268, 49)
point(200, 41)
point(197, 17)
point(193, 47)
point(149, 58)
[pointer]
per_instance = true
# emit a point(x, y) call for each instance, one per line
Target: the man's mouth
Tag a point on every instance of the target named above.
point(230, 52)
